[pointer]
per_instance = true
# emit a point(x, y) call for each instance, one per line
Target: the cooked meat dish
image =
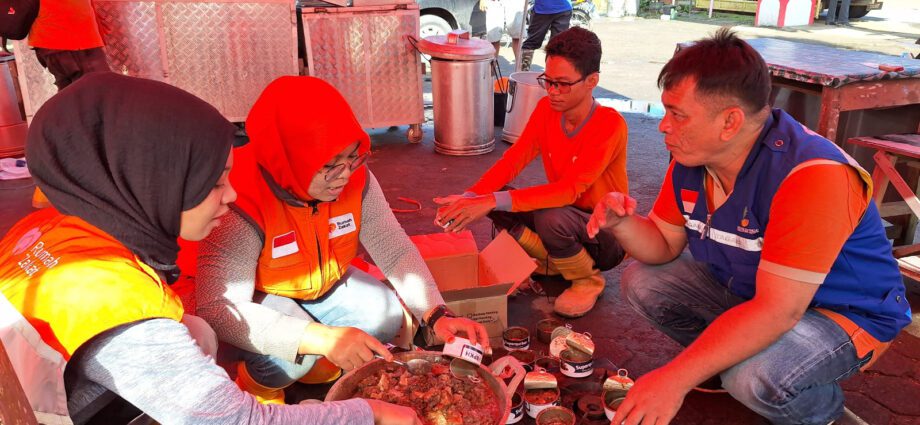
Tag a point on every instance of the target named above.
point(438, 397)
point(541, 397)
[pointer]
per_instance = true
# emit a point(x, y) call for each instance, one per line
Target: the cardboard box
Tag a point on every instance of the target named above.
point(475, 284)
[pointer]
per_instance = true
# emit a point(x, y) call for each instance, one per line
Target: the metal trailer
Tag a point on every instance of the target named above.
point(364, 52)
point(227, 51)
point(223, 51)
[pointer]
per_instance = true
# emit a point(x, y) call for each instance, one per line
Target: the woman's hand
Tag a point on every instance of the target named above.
point(391, 414)
point(447, 328)
point(348, 348)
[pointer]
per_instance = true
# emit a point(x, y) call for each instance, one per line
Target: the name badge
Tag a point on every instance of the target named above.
point(342, 225)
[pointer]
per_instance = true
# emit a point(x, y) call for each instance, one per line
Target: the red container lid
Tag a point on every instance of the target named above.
point(456, 45)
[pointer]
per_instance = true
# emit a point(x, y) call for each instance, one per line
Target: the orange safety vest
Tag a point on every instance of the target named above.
point(72, 281)
point(306, 250)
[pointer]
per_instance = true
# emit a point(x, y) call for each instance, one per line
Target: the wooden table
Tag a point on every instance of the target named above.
point(889, 150)
point(845, 80)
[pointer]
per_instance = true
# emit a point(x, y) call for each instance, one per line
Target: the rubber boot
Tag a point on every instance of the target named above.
point(322, 372)
point(39, 200)
point(533, 246)
point(526, 58)
point(263, 394)
point(587, 285)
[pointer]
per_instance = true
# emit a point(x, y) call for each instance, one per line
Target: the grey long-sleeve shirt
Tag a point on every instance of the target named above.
point(157, 367)
point(226, 275)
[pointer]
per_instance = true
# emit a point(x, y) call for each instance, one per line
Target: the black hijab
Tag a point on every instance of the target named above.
point(128, 155)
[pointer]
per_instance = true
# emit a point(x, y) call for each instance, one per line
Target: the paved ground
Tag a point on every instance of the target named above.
point(635, 50)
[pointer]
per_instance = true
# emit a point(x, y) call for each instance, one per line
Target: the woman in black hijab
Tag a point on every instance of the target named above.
point(129, 165)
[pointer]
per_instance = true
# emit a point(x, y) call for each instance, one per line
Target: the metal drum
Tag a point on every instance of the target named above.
point(461, 89)
point(523, 94)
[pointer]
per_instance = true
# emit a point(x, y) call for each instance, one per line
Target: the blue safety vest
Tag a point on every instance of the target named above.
point(864, 283)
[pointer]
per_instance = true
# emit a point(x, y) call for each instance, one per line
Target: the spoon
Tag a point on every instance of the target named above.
point(463, 369)
point(414, 366)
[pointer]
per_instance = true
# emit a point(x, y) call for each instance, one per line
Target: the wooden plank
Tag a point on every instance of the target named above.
point(829, 118)
point(886, 163)
point(893, 209)
point(879, 94)
point(909, 147)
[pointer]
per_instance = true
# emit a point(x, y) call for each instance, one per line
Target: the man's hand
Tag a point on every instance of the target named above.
point(457, 212)
point(610, 211)
point(347, 348)
point(654, 400)
point(391, 414)
point(447, 327)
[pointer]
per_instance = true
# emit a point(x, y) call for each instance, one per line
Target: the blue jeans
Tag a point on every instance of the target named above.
point(793, 381)
point(357, 300)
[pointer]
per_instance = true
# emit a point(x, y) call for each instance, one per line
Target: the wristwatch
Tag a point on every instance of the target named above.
point(439, 312)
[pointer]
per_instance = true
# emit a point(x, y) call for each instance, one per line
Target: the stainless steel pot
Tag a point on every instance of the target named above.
point(462, 97)
point(461, 91)
point(347, 386)
point(523, 95)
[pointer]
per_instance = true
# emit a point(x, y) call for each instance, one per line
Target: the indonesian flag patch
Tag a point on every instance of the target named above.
point(688, 197)
point(284, 245)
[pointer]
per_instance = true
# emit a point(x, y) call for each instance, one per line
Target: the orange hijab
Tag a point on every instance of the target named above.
point(295, 127)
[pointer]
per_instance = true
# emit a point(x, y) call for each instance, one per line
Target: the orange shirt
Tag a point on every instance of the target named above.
point(580, 169)
point(807, 227)
point(65, 25)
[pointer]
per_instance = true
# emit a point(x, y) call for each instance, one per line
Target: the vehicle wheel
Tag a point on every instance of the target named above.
point(429, 25)
point(857, 12)
point(580, 19)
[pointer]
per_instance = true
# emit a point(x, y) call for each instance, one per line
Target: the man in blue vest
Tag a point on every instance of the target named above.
point(789, 285)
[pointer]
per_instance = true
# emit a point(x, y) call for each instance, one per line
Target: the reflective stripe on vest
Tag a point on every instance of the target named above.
point(724, 238)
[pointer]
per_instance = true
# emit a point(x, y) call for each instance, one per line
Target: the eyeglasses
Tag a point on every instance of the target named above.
point(561, 86)
point(332, 172)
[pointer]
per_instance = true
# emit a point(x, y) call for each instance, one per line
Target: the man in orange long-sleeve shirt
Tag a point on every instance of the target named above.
point(583, 148)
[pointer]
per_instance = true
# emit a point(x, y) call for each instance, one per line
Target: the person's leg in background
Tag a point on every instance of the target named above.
point(536, 32)
point(514, 25)
point(843, 18)
point(561, 22)
point(495, 23)
point(92, 60)
point(831, 12)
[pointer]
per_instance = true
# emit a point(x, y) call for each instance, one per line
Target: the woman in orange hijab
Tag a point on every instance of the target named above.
point(275, 280)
